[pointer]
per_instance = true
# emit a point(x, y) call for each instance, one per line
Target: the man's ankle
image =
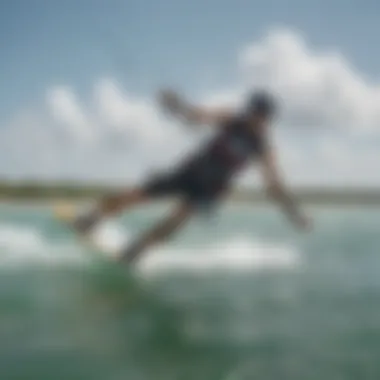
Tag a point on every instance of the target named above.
point(87, 221)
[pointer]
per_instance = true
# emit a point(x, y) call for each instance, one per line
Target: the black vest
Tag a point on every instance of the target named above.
point(234, 146)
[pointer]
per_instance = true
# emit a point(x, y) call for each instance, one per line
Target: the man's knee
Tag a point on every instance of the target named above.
point(119, 200)
point(162, 232)
point(165, 229)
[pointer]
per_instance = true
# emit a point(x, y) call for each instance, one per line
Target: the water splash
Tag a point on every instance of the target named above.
point(23, 244)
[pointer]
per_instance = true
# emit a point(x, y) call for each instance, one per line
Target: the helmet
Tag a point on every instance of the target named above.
point(262, 103)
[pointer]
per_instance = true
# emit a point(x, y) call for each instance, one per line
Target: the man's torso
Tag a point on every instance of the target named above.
point(234, 146)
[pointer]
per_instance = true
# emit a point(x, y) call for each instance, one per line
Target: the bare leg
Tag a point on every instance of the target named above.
point(110, 206)
point(117, 203)
point(160, 232)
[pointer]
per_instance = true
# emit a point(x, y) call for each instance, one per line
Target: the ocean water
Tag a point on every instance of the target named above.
point(240, 296)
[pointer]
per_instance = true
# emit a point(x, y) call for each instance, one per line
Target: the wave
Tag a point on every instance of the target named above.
point(25, 245)
point(236, 254)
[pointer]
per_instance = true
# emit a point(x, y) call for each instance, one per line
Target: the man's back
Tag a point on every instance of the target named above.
point(236, 143)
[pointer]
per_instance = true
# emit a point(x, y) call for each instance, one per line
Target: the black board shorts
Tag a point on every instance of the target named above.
point(191, 186)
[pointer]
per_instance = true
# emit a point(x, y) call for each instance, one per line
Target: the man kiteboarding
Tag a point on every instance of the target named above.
point(205, 178)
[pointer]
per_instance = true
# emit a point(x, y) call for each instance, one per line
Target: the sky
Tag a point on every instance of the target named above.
point(78, 80)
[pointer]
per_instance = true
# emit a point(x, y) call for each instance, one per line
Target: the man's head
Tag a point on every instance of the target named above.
point(261, 107)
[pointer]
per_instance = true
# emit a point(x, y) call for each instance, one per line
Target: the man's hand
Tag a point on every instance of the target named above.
point(289, 206)
point(192, 114)
point(304, 223)
point(170, 101)
point(278, 193)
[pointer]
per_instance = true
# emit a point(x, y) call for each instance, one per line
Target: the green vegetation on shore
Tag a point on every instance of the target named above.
point(29, 190)
point(41, 191)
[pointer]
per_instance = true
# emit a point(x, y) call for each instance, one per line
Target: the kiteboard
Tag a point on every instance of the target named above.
point(65, 213)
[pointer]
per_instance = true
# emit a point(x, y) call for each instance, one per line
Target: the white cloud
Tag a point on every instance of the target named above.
point(318, 88)
point(116, 136)
point(125, 115)
point(67, 110)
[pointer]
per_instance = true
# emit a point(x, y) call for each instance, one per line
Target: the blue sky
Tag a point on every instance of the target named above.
point(146, 44)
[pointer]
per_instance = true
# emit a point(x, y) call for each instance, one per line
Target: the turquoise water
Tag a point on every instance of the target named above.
point(244, 297)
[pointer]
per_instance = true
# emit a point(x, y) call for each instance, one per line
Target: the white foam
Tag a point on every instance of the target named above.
point(19, 238)
point(26, 245)
point(238, 254)
point(23, 244)
point(110, 237)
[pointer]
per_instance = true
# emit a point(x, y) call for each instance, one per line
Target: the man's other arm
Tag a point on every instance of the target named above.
point(192, 114)
point(277, 191)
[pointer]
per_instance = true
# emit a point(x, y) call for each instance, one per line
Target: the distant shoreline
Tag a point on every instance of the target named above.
point(26, 192)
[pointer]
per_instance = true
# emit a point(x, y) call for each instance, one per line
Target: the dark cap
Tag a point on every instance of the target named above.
point(262, 103)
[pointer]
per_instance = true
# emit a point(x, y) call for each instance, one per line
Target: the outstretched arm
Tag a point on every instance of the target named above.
point(179, 107)
point(277, 191)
